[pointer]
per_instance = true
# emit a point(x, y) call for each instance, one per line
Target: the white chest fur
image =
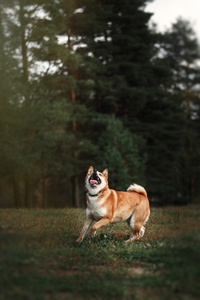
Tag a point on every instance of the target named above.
point(94, 207)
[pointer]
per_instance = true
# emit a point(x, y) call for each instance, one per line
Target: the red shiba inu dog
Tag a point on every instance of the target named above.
point(107, 206)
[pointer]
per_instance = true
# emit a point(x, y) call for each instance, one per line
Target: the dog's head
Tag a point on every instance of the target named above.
point(96, 181)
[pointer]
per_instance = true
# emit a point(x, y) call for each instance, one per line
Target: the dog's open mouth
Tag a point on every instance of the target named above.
point(94, 179)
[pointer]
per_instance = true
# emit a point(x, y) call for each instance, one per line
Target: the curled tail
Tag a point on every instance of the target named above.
point(137, 188)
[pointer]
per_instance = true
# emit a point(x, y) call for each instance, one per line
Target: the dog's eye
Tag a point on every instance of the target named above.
point(100, 174)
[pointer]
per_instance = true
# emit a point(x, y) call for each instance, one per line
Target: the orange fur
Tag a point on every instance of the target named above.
point(109, 206)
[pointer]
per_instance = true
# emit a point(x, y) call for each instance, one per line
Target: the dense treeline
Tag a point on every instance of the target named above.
point(87, 82)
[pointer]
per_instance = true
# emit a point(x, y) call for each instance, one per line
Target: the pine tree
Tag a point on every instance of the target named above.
point(10, 115)
point(35, 118)
point(70, 85)
point(182, 53)
point(86, 84)
point(131, 85)
point(118, 150)
point(110, 39)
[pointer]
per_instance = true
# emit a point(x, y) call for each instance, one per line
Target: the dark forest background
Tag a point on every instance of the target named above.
point(89, 82)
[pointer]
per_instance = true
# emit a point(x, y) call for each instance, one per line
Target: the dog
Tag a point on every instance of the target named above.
point(107, 206)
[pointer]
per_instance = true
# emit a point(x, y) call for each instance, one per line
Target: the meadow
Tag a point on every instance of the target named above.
point(39, 258)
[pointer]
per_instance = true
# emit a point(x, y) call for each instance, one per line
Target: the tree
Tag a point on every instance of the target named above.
point(71, 85)
point(87, 83)
point(34, 122)
point(118, 150)
point(182, 53)
point(10, 114)
point(131, 84)
point(111, 34)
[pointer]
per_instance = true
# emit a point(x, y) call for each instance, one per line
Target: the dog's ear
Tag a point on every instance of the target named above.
point(105, 173)
point(90, 170)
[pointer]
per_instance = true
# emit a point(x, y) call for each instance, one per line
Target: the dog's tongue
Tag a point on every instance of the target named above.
point(92, 181)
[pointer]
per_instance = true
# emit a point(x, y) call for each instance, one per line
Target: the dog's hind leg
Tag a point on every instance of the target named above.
point(136, 227)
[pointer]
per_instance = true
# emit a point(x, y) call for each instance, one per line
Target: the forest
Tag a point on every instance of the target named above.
point(91, 82)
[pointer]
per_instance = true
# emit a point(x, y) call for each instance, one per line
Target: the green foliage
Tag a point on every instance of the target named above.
point(182, 53)
point(87, 83)
point(118, 150)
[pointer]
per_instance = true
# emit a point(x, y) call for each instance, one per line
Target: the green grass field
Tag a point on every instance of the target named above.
point(39, 258)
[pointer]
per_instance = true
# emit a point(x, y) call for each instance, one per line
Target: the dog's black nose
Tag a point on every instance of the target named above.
point(95, 171)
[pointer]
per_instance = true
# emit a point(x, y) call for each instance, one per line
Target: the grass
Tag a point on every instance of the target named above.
point(39, 258)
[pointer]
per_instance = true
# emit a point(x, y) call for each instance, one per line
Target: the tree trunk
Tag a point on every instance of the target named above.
point(16, 192)
point(23, 43)
point(2, 56)
point(26, 190)
point(75, 195)
point(189, 100)
point(26, 84)
point(44, 192)
point(75, 179)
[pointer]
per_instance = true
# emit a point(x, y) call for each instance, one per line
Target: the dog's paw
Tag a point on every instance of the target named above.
point(142, 231)
point(93, 233)
point(79, 240)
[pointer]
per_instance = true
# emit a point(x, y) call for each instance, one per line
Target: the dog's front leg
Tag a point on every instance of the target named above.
point(99, 224)
point(84, 230)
